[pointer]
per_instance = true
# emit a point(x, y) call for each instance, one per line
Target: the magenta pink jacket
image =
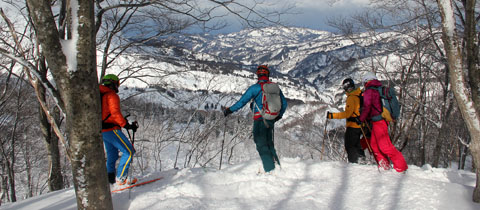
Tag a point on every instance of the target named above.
point(371, 101)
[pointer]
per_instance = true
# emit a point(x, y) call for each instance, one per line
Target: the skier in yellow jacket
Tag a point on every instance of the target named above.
point(351, 113)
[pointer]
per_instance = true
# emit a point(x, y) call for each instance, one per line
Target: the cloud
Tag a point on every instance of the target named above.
point(315, 13)
point(311, 14)
point(330, 4)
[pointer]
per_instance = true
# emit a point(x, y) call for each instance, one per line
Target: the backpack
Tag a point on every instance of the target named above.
point(389, 101)
point(271, 101)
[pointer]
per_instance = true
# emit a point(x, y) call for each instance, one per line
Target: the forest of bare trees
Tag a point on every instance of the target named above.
point(435, 73)
point(52, 30)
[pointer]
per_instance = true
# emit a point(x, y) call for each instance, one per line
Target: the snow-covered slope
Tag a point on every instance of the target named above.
point(300, 184)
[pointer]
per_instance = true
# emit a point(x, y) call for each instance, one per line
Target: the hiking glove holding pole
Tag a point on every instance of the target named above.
point(132, 126)
point(329, 115)
point(227, 112)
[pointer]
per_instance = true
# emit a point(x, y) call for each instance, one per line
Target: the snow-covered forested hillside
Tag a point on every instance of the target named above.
point(178, 94)
point(179, 107)
point(310, 73)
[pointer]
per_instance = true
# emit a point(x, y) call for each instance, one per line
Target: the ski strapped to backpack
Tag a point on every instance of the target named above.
point(271, 101)
point(389, 102)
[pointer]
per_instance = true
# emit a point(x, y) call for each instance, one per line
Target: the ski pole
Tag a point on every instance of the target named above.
point(368, 144)
point(134, 130)
point(223, 142)
point(129, 137)
point(324, 136)
point(133, 138)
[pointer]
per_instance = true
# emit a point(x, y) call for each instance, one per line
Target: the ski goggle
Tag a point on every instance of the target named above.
point(346, 86)
point(262, 70)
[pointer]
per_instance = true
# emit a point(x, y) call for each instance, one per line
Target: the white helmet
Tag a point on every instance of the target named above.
point(368, 76)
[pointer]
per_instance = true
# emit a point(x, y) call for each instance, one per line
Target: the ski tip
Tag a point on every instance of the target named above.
point(136, 185)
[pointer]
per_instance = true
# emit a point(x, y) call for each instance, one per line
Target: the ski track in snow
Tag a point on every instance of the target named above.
point(300, 184)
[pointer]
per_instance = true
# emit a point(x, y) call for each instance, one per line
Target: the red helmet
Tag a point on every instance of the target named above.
point(262, 70)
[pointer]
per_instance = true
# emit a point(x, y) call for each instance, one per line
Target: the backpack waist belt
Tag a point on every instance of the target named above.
point(377, 118)
point(352, 119)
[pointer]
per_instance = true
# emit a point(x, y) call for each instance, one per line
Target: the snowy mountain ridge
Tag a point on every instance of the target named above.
point(308, 64)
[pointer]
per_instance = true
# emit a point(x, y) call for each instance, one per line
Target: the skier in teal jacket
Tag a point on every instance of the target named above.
point(262, 129)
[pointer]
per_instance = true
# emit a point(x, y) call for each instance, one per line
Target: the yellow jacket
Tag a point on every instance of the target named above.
point(351, 108)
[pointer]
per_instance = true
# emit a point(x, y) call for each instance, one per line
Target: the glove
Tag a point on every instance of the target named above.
point(135, 126)
point(132, 126)
point(277, 118)
point(329, 115)
point(227, 111)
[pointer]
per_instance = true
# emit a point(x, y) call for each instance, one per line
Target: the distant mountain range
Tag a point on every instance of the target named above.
point(316, 61)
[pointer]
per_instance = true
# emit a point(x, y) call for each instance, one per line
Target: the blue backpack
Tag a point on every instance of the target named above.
point(389, 101)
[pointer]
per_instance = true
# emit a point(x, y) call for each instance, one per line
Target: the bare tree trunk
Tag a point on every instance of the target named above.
point(28, 169)
point(11, 160)
point(468, 108)
point(463, 150)
point(437, 152)
point(3, 185)
point(55, 177)
point(76, 80)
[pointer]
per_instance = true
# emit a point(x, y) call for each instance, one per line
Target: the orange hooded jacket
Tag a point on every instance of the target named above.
point(111, 109)
point(351, 108)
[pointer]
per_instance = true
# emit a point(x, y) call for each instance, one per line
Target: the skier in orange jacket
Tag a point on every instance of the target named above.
point(113, 138)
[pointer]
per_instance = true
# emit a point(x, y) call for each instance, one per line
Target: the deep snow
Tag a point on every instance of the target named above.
point(300, 184)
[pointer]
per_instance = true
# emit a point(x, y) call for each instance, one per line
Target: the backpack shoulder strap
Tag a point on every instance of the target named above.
point(101, 103)
point(387, 92)
point(261, 90)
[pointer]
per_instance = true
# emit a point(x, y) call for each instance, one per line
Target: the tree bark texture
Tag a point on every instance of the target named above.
point(79, 92)
point(464, 97)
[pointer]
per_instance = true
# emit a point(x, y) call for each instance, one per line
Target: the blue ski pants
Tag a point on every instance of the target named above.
point(114, 142)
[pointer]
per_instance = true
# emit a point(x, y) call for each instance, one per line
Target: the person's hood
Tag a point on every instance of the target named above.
point(373, 83)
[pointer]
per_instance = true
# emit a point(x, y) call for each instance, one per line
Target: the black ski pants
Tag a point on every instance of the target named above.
point(352, 144)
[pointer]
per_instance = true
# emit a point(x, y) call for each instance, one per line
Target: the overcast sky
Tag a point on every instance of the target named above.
point(312, 14)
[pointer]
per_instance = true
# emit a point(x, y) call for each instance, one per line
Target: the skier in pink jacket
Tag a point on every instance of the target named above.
point(380, 142)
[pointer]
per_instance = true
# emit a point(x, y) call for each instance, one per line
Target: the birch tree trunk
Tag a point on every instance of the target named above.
point(73, 66)
point(465, 97)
